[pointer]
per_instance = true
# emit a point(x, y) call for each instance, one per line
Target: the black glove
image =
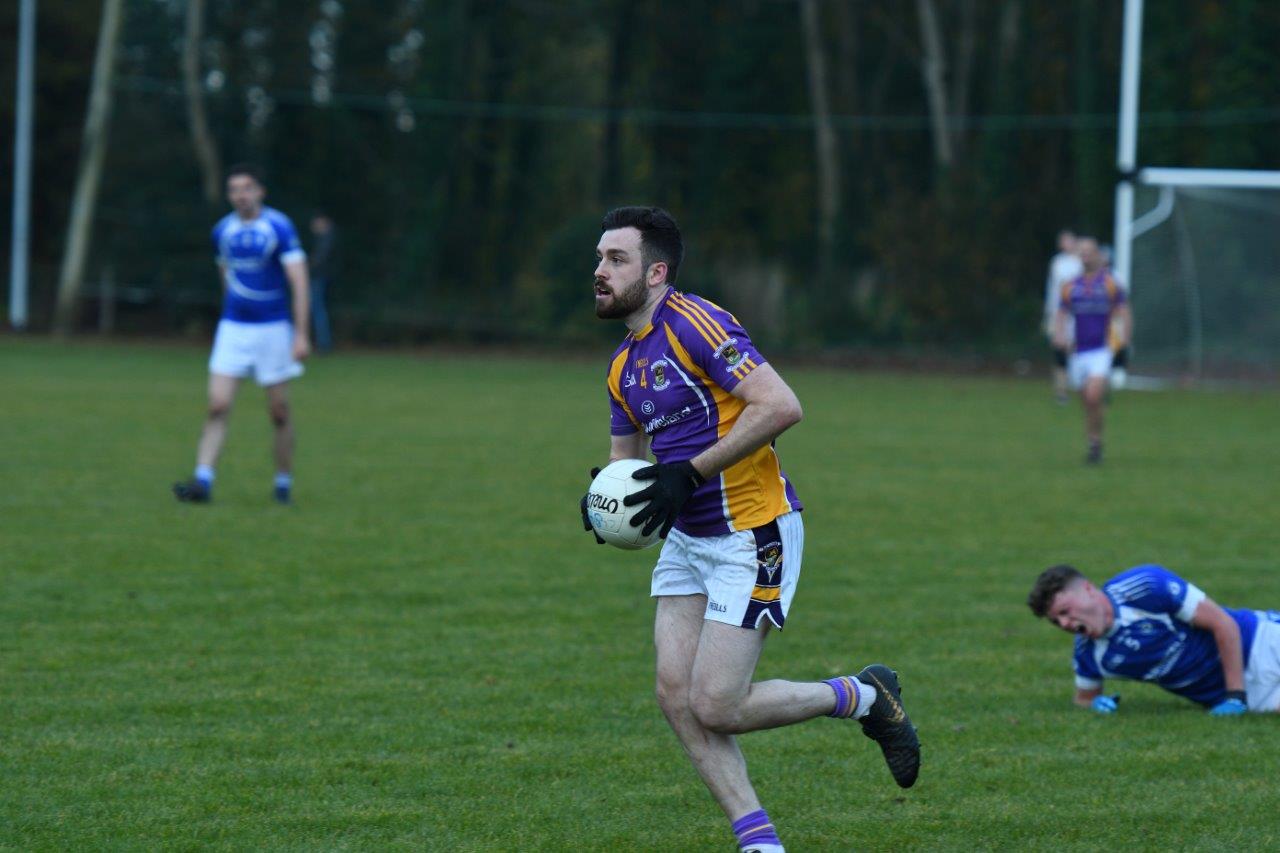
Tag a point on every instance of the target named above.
point(673, 484)
point(586, 522)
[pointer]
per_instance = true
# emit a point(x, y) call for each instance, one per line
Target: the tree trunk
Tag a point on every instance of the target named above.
point(206, 148)
point(824, 138)
point(965, 42)
point(933, 70)
point(92, 155)
point(610, 183)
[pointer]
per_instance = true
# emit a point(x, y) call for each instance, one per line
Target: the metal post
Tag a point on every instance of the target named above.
point(1127, 143)
point(23, 124)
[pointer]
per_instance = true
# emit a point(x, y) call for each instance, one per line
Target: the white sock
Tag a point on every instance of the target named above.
point(866, 698)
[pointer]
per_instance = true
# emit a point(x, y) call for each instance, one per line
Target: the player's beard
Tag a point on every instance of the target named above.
point(625, 302)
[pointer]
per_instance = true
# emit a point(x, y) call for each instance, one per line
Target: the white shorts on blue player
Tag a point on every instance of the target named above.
point(263, 351)
point(1262, 675)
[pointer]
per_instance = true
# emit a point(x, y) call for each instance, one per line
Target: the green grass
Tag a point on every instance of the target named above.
point(427, 652)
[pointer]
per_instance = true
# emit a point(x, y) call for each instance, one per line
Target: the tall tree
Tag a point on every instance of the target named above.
point(933, 71)
point(206, 147)
point(824, 138)
point(92, 155)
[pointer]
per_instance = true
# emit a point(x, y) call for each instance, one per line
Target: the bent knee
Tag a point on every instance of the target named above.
point(673, 696)
point(713, 711)
point(279, 415)
point(219, 409)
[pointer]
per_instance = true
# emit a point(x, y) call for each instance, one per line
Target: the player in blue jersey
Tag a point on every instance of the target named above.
point(688, 385)
point(1148, 624)
point(1097, 304)
point(264, 280)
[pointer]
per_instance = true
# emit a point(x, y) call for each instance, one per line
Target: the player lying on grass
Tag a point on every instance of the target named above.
point(1148, 624)
point(688, 379)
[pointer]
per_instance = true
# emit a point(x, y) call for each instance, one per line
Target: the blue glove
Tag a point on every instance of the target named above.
point(1105, 704)
point(1233, 706)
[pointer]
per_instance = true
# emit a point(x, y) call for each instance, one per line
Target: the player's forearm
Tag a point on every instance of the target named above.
point(1124, 326)
point(300, 287)
point(1231, 653)
point(1084, 698)
point(628, 447)
point(757, 425)
point(1060, 328)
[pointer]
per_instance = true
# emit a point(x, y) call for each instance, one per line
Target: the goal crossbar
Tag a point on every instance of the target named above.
point(1247, 178)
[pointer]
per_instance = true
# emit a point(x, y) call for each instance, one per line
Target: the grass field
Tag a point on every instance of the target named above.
point(427, 652)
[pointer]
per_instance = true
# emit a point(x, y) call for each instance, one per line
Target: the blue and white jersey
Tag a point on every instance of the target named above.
point(254, 253)
point(1152, 638)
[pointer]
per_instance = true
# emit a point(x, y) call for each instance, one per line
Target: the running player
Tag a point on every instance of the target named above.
point(264, 272)
point(1148, 624)
point(688, 380)
point(1094, 299)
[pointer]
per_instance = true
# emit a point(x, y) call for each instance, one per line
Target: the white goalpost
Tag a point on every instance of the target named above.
point(1202, 263)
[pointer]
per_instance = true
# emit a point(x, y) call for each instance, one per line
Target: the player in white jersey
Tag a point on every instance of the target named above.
point(264, 280)
point(1148, 624)
point(1063, 267)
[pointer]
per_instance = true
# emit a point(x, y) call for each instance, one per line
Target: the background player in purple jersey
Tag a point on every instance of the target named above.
point(688, 384)
point(263, 271)
point(1098, 305)
point(1148, 624)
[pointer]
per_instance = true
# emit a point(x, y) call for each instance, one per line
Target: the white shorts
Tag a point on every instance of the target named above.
point(747, 575)
point(261, 350)
point(1262, 675)
point(1088, 364)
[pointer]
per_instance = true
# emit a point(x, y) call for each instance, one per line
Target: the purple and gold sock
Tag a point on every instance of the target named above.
point(853, 698)
point(756, 831)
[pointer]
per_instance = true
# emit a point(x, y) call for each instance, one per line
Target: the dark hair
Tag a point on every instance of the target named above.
point(659, 235)
point(1052, 581)
point(250, 169)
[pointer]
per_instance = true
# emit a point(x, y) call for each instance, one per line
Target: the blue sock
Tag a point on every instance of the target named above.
point(284, 481)
point(204, 474)
point(756, 831)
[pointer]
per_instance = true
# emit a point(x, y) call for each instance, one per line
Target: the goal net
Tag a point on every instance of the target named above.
point(1205, 273)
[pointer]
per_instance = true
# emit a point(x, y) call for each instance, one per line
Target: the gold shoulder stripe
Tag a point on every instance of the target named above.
point(695, 315)
point(702, 312)
point(696, 325)
point(721, 308)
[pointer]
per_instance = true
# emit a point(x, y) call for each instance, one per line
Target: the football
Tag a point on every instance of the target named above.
point(608, 515)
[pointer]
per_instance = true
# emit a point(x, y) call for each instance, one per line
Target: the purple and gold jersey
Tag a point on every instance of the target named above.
point(1091, 299)
point(671, 380)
